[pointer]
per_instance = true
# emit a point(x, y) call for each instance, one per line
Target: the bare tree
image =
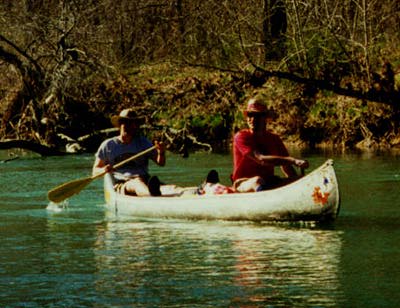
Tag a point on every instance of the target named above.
point(54, 50)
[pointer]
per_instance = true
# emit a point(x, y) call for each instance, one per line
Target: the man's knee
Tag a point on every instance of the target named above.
point(248, 184)
point(136, 186)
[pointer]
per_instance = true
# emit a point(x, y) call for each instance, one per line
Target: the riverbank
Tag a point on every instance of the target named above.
point(194, 108)
point(188, 68)
point(206, 106)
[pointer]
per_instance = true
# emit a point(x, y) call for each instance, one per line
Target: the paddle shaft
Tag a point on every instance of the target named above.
point(120, 164)
point(71, 188)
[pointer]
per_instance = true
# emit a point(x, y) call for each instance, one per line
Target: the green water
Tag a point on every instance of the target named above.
point(79, 255)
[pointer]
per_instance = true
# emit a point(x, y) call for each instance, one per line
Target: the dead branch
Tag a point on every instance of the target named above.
point(375, 95)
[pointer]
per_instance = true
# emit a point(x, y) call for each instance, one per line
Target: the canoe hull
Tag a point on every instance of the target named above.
point(314, 197)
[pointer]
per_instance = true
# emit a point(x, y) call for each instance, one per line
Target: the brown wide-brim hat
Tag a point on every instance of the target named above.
point(126, 114)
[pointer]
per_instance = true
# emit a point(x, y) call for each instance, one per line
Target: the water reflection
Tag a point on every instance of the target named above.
point(228, 264)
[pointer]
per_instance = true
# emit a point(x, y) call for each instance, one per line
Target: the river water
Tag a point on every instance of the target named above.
point(79, 255)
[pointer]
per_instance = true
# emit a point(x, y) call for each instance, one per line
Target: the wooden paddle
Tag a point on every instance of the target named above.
point(66, 190)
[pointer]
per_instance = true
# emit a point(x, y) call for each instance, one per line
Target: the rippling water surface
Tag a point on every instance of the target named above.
point(79, 255)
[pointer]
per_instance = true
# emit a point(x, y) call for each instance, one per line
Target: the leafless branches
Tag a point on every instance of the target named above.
point(346, 46)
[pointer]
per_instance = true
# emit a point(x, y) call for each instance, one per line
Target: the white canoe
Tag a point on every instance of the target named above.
point(314, 197)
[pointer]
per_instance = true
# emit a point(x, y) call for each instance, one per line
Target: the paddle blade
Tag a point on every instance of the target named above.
point(66, 190)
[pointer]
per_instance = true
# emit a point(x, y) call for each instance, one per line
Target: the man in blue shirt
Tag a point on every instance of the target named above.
point(133, 177)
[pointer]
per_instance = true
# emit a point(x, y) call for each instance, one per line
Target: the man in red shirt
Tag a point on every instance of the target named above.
point(256, 152)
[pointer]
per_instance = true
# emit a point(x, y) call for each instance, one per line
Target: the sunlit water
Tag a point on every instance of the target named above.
point(77, 254)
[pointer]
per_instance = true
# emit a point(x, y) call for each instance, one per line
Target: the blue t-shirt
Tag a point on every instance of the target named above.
point(113, 151)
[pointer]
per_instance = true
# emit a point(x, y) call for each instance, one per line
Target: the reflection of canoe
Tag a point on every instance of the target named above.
point(313, 197)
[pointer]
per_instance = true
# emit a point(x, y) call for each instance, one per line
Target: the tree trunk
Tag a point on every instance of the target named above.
point(30, 87)
point(274, 28)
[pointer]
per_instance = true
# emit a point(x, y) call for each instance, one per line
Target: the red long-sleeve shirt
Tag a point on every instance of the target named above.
point(245, 142)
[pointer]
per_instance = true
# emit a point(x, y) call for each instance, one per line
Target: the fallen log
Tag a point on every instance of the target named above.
point(33, 146)
point(9, 159)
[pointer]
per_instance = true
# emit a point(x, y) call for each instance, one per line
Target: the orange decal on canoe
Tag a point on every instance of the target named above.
point(320, 197)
